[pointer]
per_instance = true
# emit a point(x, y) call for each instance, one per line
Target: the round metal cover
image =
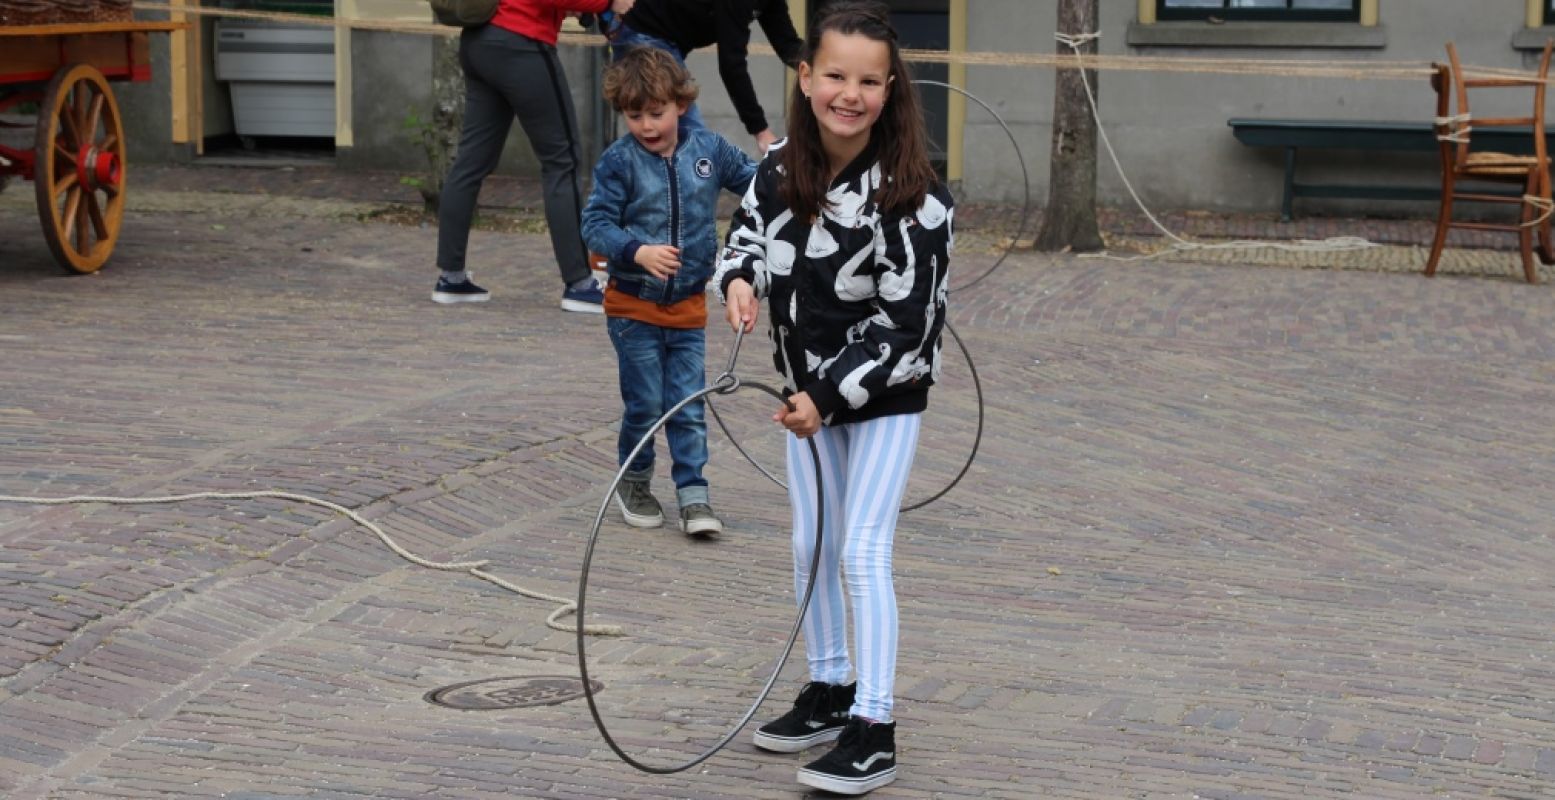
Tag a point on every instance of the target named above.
point(516, 692)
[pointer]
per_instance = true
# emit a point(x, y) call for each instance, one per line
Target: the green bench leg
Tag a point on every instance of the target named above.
point(1288, 202)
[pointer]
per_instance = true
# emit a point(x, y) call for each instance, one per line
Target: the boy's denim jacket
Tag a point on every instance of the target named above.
point(640, 198)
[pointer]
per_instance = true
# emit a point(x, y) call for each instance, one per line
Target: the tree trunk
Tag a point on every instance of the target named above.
point(440, 134)
point(1069, 221)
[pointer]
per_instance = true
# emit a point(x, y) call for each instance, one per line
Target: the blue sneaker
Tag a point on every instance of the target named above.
point(466, 292)
point(590, 300)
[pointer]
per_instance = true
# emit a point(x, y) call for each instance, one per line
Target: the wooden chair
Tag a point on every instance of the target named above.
point(1454, 130)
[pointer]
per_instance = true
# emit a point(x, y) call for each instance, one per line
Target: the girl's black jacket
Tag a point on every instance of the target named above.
point(857, 297)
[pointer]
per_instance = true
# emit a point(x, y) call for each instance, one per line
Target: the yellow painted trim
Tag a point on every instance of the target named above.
point(178, 76)
point(344, 9)
point(1147, 12)
point(1535, 15)
point(1369, 13)
point(955, 125)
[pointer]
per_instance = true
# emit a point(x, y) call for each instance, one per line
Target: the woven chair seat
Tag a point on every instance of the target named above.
point(1499, 164)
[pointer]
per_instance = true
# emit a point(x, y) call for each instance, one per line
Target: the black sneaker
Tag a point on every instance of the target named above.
point(817, 716)
point(466, 292)
point(863, 760)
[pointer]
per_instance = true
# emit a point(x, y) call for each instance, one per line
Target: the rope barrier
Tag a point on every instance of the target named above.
point(1336, 244)
point(1458, 128)
point(1356, 69)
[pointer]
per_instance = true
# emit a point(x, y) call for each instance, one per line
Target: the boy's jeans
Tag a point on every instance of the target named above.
point(659, 367)
point(623, 38)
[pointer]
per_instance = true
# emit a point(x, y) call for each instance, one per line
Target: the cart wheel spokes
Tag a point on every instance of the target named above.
point(80, 168)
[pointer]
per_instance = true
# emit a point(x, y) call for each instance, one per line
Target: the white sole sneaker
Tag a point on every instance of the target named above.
point(639, 520)
point(579, 305)
point(795, 744)
point(836, 785)
point(701, 527)
point(446, 298)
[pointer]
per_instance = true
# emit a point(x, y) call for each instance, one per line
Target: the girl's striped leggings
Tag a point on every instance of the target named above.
point(864, 467)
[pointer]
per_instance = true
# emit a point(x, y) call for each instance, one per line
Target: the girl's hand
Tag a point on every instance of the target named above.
point(740, 305)
point(804, 420)
point(621, 6)
point(661, 260)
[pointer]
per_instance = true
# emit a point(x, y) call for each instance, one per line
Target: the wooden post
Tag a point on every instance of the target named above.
point(955, 129)
point(178, 45)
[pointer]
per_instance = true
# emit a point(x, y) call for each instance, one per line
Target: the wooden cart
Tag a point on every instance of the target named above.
point(77, 158)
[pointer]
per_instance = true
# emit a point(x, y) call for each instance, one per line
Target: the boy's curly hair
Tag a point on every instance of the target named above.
point(645, 76)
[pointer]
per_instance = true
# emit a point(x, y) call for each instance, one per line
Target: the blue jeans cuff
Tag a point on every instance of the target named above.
point(686, 495)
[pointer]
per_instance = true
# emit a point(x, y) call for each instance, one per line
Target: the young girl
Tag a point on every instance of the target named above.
point(847, 233)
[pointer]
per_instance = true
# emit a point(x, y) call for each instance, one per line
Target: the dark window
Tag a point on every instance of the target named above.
point(1549, 12)
point(1273, 10)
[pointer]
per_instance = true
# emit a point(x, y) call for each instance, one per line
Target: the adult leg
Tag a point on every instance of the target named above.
point(684, 375)
point(530, 77)
point(487, 120)
point(880, 457)
point(825, 621)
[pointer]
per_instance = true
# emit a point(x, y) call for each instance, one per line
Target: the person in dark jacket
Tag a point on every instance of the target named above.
point(846, 232)
point(680, 26)
point(511, 69)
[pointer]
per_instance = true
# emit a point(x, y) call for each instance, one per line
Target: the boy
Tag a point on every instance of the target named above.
point(652, 214)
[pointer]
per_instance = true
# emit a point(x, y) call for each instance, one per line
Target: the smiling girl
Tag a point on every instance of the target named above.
point(846, 232)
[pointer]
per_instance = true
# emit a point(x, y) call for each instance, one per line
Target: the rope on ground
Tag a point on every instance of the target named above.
point(565, 605)
point(1336, 244)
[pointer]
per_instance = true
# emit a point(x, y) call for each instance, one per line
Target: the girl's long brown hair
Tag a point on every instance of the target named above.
point(899, 132)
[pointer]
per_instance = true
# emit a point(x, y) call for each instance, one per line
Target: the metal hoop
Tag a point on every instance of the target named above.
point(977, 441)
point(1025, 210)
point(588, 557)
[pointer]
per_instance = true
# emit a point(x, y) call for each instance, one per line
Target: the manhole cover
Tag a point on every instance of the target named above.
point(495, 693)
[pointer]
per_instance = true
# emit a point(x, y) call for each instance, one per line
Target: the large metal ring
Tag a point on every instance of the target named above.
point(977, 441)
point(583, 583)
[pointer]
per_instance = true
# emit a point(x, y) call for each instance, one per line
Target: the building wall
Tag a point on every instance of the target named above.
point(1169, 128)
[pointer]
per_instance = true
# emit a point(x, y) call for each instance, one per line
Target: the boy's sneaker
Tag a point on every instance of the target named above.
point(590, 300)
point(818, 715)
point(638, 505)
point(698, 519)
point(466, 292)
point(863, 760)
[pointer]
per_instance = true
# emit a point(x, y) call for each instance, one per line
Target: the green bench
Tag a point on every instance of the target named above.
point(1332, 134)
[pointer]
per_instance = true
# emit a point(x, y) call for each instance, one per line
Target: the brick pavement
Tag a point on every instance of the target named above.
point(1236, 532)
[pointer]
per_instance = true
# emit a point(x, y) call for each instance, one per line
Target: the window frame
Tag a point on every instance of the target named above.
point(1165, 13)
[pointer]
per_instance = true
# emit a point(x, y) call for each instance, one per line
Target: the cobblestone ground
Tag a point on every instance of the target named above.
point(1234, 531)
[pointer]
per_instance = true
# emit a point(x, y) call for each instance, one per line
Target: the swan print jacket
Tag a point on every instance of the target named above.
point(857, 297)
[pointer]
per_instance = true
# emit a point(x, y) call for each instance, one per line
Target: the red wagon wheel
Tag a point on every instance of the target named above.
point(79, 172)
